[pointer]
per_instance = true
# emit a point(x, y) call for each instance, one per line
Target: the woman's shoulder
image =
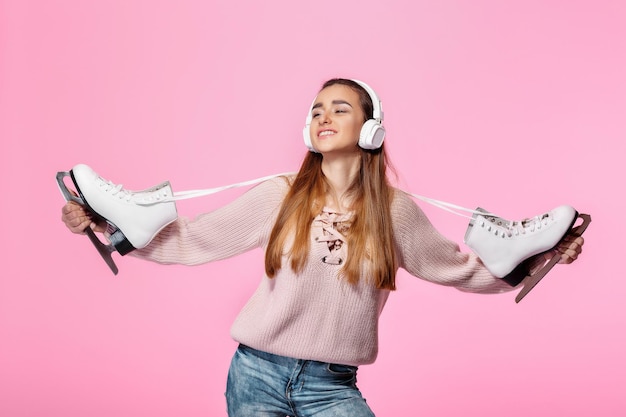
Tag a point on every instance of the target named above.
point(402, 200)
point(279, 183)
point(404, 208)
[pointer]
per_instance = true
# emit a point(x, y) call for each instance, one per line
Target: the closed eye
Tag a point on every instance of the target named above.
point(340, 106)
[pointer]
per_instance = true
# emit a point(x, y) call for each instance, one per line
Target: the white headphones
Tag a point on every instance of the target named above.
point(372, 132)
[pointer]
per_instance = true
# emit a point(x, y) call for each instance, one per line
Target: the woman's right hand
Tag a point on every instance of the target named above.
point(77, 219)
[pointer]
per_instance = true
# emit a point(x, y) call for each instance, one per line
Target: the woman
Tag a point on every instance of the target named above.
point(334, 236)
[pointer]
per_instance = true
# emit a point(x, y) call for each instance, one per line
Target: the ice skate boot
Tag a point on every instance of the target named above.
point(133, 217)
point(506, 247)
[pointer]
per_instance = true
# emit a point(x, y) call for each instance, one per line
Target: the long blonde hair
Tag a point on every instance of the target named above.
point(370, 235)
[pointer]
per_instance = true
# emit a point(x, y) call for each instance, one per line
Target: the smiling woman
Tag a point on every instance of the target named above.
point(334, 236)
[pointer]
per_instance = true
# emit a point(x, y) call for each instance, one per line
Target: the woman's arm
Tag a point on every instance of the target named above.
point(238, 227)
point(425, 253)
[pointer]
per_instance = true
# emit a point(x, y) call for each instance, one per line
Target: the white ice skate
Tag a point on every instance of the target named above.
point(133, 217)
point(506, 247)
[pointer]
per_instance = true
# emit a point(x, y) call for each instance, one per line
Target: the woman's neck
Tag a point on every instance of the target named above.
point(340, 174)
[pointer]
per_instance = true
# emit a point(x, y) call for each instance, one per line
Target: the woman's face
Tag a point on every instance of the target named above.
point(336, 121)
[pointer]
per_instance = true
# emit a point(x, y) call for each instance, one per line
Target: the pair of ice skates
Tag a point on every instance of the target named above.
point(507, 248)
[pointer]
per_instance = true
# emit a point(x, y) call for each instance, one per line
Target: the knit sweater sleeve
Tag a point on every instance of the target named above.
point(235, 228)
point(425, 253)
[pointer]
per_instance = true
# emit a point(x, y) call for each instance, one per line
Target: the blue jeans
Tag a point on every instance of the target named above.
point(261, 384)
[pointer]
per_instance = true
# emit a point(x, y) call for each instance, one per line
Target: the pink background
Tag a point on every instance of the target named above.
point(515, 106)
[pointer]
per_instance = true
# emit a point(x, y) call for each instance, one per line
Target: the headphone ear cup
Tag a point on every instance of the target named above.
point(372, 135)
point(306, 134)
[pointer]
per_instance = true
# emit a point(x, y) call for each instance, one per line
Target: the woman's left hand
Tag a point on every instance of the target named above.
point(570, 247)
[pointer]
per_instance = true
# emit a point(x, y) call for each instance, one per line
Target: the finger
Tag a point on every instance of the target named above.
point(98, 227)
point(568, 256)
point(77, 221)
point(579, 240)
point(80, 223)
point(79, 227)
point(573, 242)
point(72, 207)
point(68, 207)
point(75, 215)
point(571, 247)
point(86, 225)
point(570, 251)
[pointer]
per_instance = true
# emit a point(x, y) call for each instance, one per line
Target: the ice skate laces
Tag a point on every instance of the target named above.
point(532, 224)
point(115, 189)
point(504, 228)
point(184, 195)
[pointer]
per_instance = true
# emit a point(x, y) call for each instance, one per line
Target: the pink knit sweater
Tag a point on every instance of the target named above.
point(315, 314)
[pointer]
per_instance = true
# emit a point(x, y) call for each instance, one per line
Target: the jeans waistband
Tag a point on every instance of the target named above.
point(312, 367)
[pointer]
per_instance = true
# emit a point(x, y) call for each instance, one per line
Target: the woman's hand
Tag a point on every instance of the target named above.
point(570, 247)
point(77, 219)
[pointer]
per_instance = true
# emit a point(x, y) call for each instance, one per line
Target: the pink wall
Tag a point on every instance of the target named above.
point(514, 106)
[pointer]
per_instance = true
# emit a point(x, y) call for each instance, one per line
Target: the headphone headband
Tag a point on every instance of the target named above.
point(378, 105)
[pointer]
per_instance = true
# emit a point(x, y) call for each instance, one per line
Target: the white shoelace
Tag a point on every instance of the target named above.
point(503, 228)
point(184, 195)
point(115, 189)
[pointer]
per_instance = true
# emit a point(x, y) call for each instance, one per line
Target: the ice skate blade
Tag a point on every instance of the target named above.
point(104, 250)
point(63, 188)
point(532, 280)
